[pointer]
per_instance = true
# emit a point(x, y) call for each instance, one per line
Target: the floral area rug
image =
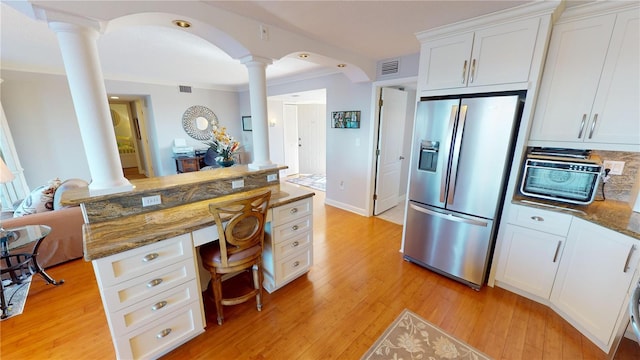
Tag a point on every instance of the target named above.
point(314, 181)
point(411, 337)
point(16, 297)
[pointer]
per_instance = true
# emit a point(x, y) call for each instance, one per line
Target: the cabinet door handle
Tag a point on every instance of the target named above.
point(294, 227)
point(295, 243)
point(626, 263)
point(154, 282)
point(593, 125)
point(584, 119)
point(296, 264)
point(464, 71)
point(294, 210)
point(473, 70)
point(537, 218)
point(150, 257)
point(555, 257)
point(159, 305)
point(163, 333)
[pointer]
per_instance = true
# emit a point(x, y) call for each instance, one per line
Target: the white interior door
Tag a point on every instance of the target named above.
point(291, 138)
point(392, 117)
point(312, 138)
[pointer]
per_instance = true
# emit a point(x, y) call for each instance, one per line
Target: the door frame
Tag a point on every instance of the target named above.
point(373, 133)
point(138, 106)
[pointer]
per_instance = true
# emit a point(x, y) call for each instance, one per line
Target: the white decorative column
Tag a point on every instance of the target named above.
point(86, 82)
point(258, 99)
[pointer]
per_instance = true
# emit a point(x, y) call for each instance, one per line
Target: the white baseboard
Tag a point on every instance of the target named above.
point(346, 207)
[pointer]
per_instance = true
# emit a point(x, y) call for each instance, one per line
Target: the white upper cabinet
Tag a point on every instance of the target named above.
point(591, 84)
point(499, 54)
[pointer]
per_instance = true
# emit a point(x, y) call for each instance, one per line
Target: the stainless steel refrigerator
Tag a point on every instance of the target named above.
point(462, 153)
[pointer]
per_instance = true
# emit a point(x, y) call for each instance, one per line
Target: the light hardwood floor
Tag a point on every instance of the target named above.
point(356, 287)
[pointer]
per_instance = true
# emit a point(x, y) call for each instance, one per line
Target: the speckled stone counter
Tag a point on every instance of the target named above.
point(174, 190)
point(614, 215)
point(114, 236)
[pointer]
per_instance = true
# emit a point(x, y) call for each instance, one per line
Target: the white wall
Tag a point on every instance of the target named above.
point(168, 105)
point(347, 149)
point(275, 111)
point(42, 119)
point(43, 123)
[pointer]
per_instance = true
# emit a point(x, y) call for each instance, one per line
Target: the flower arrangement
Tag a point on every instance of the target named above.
point(223, 143)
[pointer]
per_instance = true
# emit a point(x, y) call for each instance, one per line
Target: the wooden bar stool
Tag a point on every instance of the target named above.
point(240, 225)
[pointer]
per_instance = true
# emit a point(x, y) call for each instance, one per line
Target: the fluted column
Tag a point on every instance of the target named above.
point(258, 99)
point(84, 74)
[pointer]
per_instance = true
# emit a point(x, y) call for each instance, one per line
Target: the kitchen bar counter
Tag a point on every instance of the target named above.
point(114, 236)
point(614, 215)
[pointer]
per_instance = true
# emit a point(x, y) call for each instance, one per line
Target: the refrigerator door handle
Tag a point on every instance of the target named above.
point(456, 154)
point(449, 216)
point(447, 146)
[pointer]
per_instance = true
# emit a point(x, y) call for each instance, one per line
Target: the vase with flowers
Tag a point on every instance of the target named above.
point(224, 145)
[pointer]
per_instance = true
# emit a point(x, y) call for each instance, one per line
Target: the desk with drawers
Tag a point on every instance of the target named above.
point(152, 294)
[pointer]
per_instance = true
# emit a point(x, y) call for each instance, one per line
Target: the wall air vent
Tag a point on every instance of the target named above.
point(390, 67)
point(185, 89)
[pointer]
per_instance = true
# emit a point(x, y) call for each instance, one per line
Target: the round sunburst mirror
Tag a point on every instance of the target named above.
point(197, 122)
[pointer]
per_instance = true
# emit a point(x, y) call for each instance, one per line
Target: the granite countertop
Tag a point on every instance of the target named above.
point(115, 236)
point(612, 214)
point(82, 195)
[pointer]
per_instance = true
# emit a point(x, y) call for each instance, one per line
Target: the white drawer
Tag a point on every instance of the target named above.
point(541, 220)
point(161, 336)
point(205, 235)
point(132, 263)
point(289, 230)
point(135, 290)
point(293, 245)
point(294, 210)
point(293, 266)
point(155, 307)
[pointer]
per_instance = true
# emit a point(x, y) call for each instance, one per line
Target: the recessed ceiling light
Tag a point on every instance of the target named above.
point(114, 97)
point(342, 65)
point(182, 23)
point(303, 56)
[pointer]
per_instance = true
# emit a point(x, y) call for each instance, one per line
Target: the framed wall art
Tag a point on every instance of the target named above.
point(345, 119)
point(246, 123)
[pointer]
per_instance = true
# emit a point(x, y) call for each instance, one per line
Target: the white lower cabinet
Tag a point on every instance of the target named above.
point(532, 244)
point(288, 246)
point(583, 271)
point(594, 277)
point(151, 297)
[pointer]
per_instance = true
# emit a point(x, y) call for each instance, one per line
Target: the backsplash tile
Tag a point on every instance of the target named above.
point(619, 187)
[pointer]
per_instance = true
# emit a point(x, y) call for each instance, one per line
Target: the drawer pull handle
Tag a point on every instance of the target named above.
point(154, 282)
point(626, 264)
point(584, 119)
point(555, 257)
point(159, 305)
point(294, 227)
point(163, 333)
point(295, 243)
point(537, 218)
point(295, 264)
point(150, 257)
point(593, 125)
point(464, 71)
point(294, 210)
point(473, 70)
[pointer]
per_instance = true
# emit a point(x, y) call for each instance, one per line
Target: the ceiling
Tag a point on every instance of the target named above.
point(375, 30)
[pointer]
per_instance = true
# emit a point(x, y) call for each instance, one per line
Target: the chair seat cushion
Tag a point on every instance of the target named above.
point(210, 254)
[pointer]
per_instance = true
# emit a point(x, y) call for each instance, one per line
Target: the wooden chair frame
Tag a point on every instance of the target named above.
point(240, 224)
